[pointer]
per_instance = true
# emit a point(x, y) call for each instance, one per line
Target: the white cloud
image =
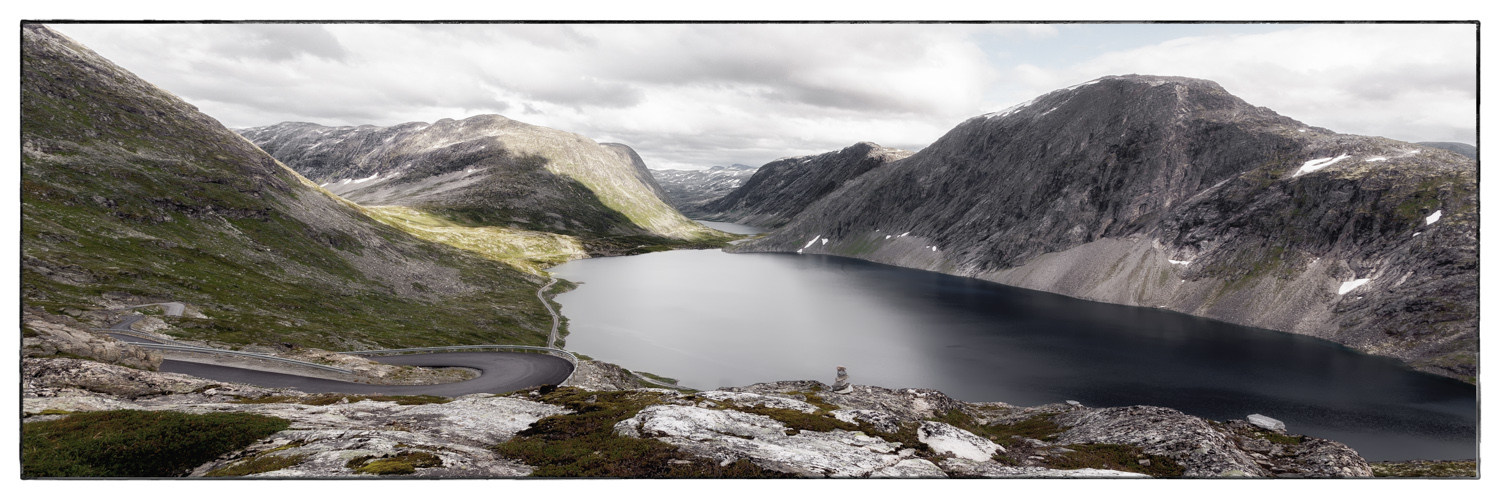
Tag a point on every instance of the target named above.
point(689, 96)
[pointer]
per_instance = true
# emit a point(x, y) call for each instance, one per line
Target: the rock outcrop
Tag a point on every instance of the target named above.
point(43, 339)
point(799, 428)
point(1170, 192)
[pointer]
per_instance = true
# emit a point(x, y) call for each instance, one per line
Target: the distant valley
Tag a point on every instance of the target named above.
point(688, 190)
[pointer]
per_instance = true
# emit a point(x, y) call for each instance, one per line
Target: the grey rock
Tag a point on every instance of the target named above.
point(969, 468)
point(783, 188)
point(841, 382)
point(727, 435)
point(1265, 422)
point(950, 440)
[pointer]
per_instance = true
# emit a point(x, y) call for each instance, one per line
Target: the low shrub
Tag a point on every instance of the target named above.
point(132, 443)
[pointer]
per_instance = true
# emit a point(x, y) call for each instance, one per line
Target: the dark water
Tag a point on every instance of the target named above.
point(715, 319)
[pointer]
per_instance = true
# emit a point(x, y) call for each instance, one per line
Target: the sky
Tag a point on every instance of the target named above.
point(696, 95)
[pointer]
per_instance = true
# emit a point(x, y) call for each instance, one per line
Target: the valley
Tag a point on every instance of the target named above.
point(1136, 276)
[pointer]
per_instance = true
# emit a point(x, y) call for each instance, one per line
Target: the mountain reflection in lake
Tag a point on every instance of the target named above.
point(716, 319)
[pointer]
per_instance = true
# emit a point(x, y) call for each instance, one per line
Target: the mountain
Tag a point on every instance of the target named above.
point(1456, 147)
point(783, 188)
point(1170, 192)
point(687, 190)
point(488, 170)
point(130, 195)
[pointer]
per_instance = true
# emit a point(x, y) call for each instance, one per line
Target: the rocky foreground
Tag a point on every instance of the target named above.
point(599, 423)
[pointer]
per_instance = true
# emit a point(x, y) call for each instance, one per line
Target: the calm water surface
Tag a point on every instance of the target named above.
point(715, 319)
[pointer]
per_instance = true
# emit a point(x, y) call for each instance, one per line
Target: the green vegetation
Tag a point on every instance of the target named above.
point(530, 251)
point(405, 462)
point(328, 399)
point(1426, 468)
point(1039, 427)
point(668, 380)
point(1116, 457)
point(131, 443)
point(261, 462)
point(584, 444)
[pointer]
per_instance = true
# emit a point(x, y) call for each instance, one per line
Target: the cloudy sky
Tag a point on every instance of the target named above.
point(696, 95)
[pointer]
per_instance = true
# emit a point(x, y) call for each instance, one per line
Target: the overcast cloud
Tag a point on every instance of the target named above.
point(691, 96)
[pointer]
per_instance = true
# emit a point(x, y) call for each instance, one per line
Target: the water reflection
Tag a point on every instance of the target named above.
point(714, 319)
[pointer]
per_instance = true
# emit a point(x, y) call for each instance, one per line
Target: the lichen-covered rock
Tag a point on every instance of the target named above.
point(753, 399)
point(947, 439)
point(1208, 449)
point(969, 468)
point(908, 405)
point(116, 380)
point(1265, 422)
point(53, 338)
point(882, 421)
point(727, 436)
point(594, 375)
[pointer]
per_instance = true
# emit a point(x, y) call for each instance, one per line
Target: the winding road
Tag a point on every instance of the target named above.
point(500, 372)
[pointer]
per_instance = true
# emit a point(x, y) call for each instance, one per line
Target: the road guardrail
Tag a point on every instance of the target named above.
point(572, 359)
point(208, 350)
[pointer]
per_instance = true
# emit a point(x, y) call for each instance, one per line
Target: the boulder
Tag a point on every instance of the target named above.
point(1265, 422)
point(947, 439)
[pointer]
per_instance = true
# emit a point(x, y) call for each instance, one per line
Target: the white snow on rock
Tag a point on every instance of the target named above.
point(887, 236)
point(944, 438)
point(1416, 234)
point(1377, 158)
point(825, 240)
point(1434, 217)
point(811, 241)
point(903, 235)
point(1180, 262)
point(1317, 164)
point(323, 184)
point(367, 179)
point(346, 181)
point(1351, 285)
point(1008, 111)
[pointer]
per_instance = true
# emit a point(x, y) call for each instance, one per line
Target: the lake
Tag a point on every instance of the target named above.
point(715, 319)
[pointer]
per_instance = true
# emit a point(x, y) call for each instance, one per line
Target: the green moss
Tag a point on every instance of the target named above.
point(131, 443)
point(406, 462)
point(256, 465)
point(1116, 457)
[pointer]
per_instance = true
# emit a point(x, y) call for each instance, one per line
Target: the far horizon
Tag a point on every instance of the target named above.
point(692, 96)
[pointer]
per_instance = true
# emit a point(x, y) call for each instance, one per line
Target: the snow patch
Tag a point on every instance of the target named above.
point(811, 241)
point(1180, 262)
point(1377, 158)
point(1434, 217)
point(903, 235)
point(346, 181)
point(1301, 130)
point(323, 184)
point(1416, 234)
point(825, 240)
point(367, 179)
point(887, 236)
point(1351, 285)
point(1008, 111)
point(1317, 164)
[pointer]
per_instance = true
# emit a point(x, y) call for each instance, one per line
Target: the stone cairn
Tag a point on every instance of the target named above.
point(841, 384)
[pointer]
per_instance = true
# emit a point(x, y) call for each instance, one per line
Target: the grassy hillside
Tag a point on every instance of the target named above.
point(131, 194)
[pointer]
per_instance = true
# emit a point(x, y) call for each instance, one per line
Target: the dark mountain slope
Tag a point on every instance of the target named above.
point(689, 190)
point(489, 170)
point(782, 188)
point(1169, 192)
point(131, 195)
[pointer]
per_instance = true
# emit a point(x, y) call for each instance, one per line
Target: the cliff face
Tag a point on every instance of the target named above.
point(689, 190)
point(484, 170)
point(129, 194)
point(783, 188)
point(1170, 192)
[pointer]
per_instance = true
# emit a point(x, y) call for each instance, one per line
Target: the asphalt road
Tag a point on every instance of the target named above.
point(501, 372)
